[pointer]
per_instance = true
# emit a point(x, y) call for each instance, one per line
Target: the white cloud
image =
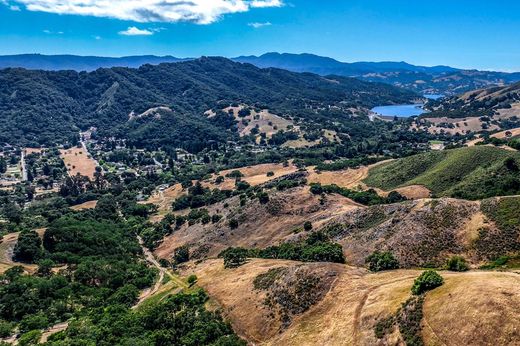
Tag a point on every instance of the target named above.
point(133, 31)
point(144, 11)
point(15, 8)
point(259, 25)
point(49, 32)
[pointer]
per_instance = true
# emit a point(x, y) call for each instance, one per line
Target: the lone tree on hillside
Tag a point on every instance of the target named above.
point(427, 281)
point(379, 261)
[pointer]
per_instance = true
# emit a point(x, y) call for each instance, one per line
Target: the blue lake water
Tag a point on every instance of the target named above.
point(404, 111)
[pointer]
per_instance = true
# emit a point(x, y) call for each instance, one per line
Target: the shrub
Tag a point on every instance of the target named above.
point(163, 262)
point(31, 322)
point(181, 254)
point(233, 223)
point(30, 338)
point(427, 281)
point(307, 226)
point(192, 279)
point(270, 174)
point(379, 261)
point(6, 329)
point(263, 197)
point(457, 264)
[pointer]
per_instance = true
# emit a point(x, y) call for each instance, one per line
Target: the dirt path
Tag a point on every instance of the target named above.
point(359, 308)
point(53, 330)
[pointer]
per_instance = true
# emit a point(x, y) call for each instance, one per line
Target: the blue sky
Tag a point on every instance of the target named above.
point(461, 33)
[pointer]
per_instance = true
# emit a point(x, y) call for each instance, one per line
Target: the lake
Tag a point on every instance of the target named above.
point(404, 111)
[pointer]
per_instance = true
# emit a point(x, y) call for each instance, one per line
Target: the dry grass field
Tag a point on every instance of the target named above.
point(472, 308)
point(84, 206)
point(77, 160)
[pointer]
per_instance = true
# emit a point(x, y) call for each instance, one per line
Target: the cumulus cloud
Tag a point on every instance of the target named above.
point(259, 25)
point(144, 11)
point(133, 31)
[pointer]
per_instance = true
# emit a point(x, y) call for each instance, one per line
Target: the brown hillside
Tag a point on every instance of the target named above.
point(464, 311)
point(259, 225)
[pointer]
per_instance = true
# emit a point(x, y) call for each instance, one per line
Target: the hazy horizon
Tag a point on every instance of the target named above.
point(463, 34)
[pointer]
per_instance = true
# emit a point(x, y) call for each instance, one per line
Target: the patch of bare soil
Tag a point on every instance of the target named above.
point(84, 206)
point(77, 160)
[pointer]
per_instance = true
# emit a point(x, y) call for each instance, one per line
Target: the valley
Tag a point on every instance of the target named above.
point(210, 202)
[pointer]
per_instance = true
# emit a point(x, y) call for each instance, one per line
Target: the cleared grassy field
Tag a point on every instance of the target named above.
point(472, 173)
point(77, 161)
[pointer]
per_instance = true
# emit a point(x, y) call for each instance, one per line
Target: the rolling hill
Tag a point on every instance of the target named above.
point(427, 80)
point(502, 102)
point(471, 173)
point(165, 105)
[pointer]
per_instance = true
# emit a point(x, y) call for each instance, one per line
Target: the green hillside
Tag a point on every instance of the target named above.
point(470, 173)
point(49, 107)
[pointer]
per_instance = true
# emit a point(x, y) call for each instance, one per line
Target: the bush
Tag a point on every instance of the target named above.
point(6, 329)
point(379, 261)
point(457, 264)
point(307, 226)
point(30, 338)
point(233, 224)
point(192, 279)
point(181, 254)
point(32, 322)
point(427, 281)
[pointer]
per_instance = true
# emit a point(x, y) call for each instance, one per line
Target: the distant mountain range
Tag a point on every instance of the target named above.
point(444, 80)
point(79, 63)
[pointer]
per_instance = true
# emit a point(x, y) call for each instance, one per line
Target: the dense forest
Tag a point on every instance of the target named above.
point(47, 107)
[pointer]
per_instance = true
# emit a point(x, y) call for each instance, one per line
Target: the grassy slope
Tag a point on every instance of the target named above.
point(473, 173)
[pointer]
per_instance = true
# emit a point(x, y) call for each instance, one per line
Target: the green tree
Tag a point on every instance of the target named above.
point(457, 264)
point(234, 257)
point(427, 281)
point(181, 254)
point(379, 261)
point(28, 249)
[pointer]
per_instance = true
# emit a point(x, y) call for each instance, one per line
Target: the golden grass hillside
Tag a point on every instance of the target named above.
point(472, 308)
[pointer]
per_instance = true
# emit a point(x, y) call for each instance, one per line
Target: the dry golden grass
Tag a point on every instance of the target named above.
point(77, 161)
point(254, 175)
point(475, 308)
point(30, 151)
point(462, 126)
point(472, 308)
point(84, 206)
point(257, 226)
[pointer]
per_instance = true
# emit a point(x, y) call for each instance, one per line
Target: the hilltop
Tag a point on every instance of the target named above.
point(440, 79)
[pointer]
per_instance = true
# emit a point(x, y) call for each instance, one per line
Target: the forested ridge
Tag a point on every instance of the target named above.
point(46, 107)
